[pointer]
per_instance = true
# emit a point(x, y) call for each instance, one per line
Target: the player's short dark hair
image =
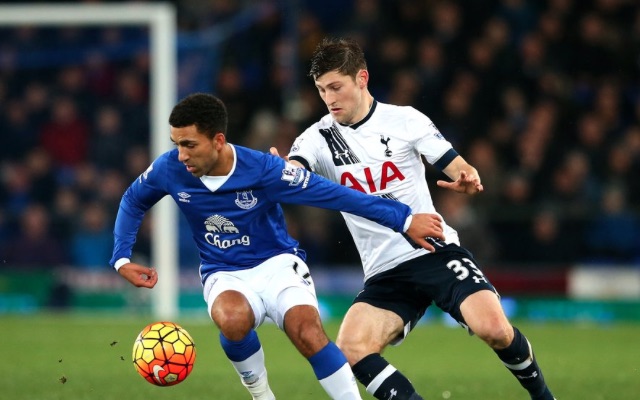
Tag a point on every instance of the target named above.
point(342, 54)
point(207, 112)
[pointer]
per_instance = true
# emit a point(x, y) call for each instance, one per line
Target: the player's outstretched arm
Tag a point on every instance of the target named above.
point(465, 177)
point(424, 226)
point(139, 275)
point(274, 152)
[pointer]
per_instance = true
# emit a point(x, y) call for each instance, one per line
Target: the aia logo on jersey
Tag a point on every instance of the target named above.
point(389, 172)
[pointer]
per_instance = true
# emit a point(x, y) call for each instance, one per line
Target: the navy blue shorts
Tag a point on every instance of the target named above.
point(444, 278)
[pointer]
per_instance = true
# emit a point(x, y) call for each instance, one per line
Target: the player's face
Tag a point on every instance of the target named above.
point(346, 98)
point(199, 153)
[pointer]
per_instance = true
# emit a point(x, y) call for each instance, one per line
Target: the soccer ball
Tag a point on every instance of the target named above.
point(164, 353)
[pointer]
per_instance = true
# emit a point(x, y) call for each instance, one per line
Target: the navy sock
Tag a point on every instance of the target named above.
point(382, 380)
point(519, 359)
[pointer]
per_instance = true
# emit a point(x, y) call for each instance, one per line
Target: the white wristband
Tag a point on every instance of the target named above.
point(120, 263)
point(407, 223)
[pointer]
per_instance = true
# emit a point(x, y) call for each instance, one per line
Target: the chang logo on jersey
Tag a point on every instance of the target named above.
point(218, 227)
point(246, 200)
point(295, 176)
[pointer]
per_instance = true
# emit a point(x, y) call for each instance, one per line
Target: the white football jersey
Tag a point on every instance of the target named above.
point(380, 155)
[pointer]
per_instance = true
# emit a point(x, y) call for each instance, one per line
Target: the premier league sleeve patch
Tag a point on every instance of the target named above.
point(295, 176)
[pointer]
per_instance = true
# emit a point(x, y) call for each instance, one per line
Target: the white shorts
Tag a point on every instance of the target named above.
point(271, 288)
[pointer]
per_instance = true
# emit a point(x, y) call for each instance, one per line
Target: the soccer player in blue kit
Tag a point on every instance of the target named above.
point(250, 267)
point(378, 148)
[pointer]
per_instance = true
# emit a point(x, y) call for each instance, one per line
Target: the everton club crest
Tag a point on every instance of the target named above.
point(246, 200)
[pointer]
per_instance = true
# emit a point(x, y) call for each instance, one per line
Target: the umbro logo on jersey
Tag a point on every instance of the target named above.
point(184, 197)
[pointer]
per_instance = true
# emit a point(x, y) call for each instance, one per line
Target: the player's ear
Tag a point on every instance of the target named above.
point(219, 138)
point(362, 78)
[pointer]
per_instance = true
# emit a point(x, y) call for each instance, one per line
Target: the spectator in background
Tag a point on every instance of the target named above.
point(614, 234)
point(131, 99)
point(631, 142)
point(92, 241)
point(71, 82)
point(482, 154)
point(85, 180)
point(64, 213)
point(109, 187)
point(108, 142)
point(18, 136)
point(230, 86)
point(42, 176)
point(509, 216)
point(431, 67)
point(547, 242)
point(568, 80)
point(66, 135)
point(574, 189)
point(34, 245)
point(472, 229)
point(136, 162)
point(37, 100)
point(16, 193)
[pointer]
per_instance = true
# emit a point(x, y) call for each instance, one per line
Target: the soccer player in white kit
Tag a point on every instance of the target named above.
point(377, 149)
point(251, 268)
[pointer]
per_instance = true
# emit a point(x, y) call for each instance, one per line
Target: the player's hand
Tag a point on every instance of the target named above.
point(274, 152)
point(468, 183)
point(425, 226)
point(138, 275)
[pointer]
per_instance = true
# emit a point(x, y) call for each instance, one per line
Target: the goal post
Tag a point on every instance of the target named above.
point(161, 20)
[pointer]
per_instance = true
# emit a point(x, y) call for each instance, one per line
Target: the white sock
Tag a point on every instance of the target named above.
point(253, 374)
point(341, 385)
point(260, 389)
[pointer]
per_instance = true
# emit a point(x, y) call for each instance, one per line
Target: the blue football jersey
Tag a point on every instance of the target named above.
point(240, 224)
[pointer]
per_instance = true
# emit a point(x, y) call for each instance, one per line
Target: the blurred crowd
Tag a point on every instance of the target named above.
point(543, 97)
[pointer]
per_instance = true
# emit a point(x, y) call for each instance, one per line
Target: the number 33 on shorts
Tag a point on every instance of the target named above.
point(461, 269)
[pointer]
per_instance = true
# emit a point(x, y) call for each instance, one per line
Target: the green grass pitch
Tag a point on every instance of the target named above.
point(93, 356)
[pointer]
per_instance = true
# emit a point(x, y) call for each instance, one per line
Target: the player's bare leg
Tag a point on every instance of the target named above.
point(303, 326)
point(363, 335)
point(484, 316)
point(234, 317)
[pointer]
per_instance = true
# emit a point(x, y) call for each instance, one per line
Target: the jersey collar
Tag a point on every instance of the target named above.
point(365, 119)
